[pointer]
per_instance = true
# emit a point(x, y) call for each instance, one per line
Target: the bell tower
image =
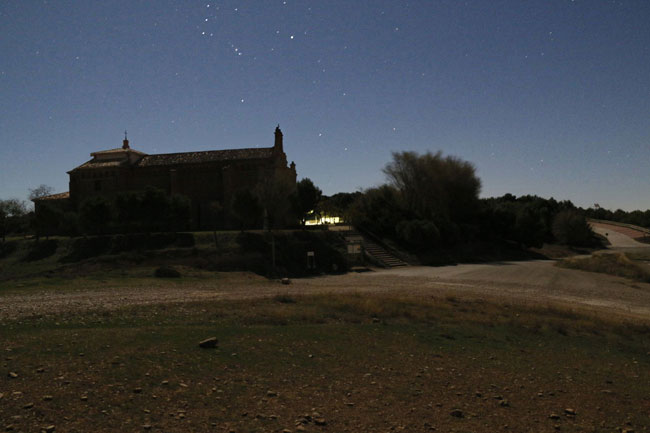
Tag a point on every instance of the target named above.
point(278, 140)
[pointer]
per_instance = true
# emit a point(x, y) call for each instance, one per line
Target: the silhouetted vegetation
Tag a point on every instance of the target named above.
point(430, 204)
point(166, 272)
point(41, 250)
point(7, 248)
point(306, 199)
point(635, 217)
point(14, 217)
point(48, 221)
point(570, 227)
point(246, 209)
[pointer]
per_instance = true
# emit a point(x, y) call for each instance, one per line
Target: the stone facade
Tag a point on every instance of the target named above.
point(207, 178)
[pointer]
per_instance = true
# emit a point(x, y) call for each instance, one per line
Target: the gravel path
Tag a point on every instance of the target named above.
point(537, 283)
point(533, 283)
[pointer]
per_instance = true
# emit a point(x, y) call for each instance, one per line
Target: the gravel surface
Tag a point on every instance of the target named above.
point(534, 283)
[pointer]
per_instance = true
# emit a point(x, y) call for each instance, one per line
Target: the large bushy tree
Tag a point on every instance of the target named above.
point(434, 187)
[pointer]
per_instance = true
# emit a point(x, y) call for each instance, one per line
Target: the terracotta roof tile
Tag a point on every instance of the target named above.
point(101, 164)
point(205, 156)
point(59, 196)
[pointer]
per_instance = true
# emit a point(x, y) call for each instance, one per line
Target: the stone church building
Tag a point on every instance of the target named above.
point(206, 177)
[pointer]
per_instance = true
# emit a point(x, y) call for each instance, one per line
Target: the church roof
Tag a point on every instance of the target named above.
point(118, 150)
point(59, 196)
point(162, 159)
point(101, 164)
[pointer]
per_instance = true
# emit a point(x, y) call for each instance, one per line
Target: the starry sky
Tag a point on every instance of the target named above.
point(545, 97)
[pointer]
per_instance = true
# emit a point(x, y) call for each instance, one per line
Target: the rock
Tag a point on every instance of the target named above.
point(320, 421)
point(47, 398)
point(271, 394)
point(457, 413)
point(504, 403)
point(554, 416)
point(209, 343)
point(137, 390)
point(164, 382)
point(570, 412)
point(286, 281)
point(300, 428)
point(28, 406)
point(84, 398)
point(147, 426)
point(49, 428)
point(12, 375)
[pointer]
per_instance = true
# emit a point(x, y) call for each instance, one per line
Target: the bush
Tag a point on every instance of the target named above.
point(166, 272)
point(7, 248)
point(83, 248)
point(418, 233)
point(571, 228)
point(41, 250)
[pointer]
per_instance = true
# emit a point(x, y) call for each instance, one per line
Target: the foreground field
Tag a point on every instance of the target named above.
point(338, 363)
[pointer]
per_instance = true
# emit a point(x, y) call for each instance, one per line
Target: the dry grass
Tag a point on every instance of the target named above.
point(618, 264)
point(362, 363)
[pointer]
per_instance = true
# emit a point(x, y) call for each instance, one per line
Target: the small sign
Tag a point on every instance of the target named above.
point(310, 254)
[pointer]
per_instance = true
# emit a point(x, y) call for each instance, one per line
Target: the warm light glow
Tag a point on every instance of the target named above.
point(316, 220)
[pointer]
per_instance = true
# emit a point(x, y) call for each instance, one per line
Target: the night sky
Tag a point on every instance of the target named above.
point(544, 97)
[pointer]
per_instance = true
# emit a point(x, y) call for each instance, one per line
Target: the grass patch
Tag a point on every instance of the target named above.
point(618, 264)
point(361, 363)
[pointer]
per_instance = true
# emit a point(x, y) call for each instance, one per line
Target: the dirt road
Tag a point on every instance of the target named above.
point(534, 282)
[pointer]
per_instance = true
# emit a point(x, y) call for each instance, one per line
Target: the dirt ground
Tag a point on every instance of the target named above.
point(536, 282)
point(531, 282)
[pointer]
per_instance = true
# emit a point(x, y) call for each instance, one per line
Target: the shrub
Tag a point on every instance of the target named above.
point(83, 248)
point(571, 228)
point(7, 248)
point(41, 250)
point(418, 233)
point(166, 272)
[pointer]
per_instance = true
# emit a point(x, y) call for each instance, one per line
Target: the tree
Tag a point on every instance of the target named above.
point(571, 228)
point(48, 220)
point(153, 209)
point(178, 212)
point(96, 215)
point(40, 191)
point(378, 210)
point(274, 199)
point(246, 208)
point(306, 198)
point(13, 214)
point(434, 187)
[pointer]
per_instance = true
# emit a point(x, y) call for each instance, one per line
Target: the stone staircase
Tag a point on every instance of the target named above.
point(373, 249)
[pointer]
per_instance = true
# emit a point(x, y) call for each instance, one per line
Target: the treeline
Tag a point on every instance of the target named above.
point(635, 217)
point(271, 205)
point(432, 202)
point(151, 210)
